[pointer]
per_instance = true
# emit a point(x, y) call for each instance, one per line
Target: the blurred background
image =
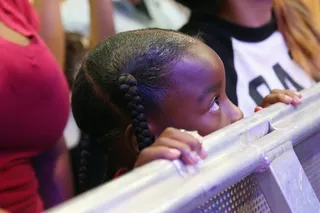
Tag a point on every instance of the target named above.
point(128, 15)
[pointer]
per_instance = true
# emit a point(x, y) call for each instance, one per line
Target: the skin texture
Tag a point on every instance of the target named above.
point(51, 29)
point(101, 21)
point(12, 36)
point(199, 86)
point(257, 12)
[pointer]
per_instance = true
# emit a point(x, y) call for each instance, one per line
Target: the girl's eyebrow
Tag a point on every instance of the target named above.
point(209, 90)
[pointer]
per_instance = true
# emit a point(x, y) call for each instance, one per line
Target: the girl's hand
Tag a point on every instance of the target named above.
point(173, 144)
point(280, 96)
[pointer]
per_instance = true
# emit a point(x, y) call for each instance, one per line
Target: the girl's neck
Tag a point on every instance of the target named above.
point(248, 13)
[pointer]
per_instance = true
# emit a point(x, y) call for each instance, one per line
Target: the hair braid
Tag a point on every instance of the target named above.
point(84, 160)
point(128, 84)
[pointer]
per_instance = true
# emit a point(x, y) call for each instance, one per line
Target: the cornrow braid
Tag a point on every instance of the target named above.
point(96, 169)
point(128, 84)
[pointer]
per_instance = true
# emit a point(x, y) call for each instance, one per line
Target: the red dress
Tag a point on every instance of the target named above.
point(34, 107)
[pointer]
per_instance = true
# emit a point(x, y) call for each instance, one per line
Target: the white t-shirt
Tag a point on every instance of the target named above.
point(256, 60)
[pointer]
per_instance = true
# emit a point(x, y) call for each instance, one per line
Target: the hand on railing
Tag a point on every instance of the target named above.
point(173, 144)
point(280, 96)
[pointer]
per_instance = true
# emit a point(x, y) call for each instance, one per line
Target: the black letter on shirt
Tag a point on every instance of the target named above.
point(283, 77)
point(253, 89)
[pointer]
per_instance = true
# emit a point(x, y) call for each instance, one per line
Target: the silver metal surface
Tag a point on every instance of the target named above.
point(242, 197)
point(234, 153)
point(286, 186)
point(308, 153)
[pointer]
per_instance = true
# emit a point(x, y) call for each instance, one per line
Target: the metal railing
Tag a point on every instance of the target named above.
point(264, 163)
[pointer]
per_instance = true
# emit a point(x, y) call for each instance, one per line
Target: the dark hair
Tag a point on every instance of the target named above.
point(75, 52)
point(200, 4)
point(120, 82)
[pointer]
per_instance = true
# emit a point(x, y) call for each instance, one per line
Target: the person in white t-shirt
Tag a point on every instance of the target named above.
point(265, 45)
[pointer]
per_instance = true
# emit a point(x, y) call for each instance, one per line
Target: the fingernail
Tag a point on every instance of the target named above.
point(203, 154)
point(297, 100)
point(175, 152)
point(257, 109)
point(187, 160)
point(194, 157)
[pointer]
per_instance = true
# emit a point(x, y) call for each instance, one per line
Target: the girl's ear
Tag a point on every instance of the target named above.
point(153, 129)
point(157, 123)
point(131, 139)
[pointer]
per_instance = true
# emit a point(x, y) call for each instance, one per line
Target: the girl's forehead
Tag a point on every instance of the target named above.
point(194, 74)
point(203, 53)
point(202, 64)
point(198, 71)
point(195, 79)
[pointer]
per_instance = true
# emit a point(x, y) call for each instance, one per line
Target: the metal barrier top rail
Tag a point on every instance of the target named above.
point(233, 153)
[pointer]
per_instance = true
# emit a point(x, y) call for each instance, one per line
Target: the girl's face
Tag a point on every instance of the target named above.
point(196, 99)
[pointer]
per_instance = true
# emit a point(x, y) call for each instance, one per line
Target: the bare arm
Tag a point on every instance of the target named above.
point(51, 29)
point(101, 21)
point(63, 170)
point(53, 170)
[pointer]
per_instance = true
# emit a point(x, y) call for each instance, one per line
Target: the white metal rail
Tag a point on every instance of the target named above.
point(265, 140)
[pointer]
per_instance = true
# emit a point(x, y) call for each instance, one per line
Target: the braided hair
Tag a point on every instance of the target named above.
point(128, 84)
point(120, 82)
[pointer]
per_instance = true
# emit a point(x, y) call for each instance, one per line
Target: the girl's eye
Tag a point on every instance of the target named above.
point(214, 105)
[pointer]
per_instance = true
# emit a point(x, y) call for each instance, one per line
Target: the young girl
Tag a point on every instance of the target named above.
point(133, 86)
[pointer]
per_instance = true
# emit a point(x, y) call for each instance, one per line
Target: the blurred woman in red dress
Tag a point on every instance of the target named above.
point(34, 111)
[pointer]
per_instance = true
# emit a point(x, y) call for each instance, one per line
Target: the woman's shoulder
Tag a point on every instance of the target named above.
point(20, 16)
